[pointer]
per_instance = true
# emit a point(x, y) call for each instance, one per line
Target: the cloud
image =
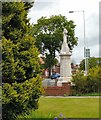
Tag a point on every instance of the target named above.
point(42, 5)
point(42, 8)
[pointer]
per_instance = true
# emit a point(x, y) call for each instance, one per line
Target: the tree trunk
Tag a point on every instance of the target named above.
point(49, 72)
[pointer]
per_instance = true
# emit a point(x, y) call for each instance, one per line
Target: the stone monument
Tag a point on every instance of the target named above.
point(65, 61)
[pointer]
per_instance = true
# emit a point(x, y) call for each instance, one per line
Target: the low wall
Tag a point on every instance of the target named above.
point(58, 90)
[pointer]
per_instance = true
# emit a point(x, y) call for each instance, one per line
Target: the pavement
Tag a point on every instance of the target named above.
point(71, 96)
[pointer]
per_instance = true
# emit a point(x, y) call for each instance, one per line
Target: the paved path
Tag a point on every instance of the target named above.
point(71, 96)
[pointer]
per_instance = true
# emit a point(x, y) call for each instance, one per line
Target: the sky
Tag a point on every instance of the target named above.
point(91, 18)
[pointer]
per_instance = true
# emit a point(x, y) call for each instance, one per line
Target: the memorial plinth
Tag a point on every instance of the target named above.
point(65, 61)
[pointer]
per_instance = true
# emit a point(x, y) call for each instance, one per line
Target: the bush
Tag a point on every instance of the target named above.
point(20, 98)
point(94, 79)
point(79, 80)
point(89, 83)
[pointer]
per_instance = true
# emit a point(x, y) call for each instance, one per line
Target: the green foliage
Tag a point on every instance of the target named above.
point(49, 35)
point(14, 19)
point(49, 32)
point(94, 79)
point(36, 115)
point(19, 54)
point(89, 83)
point(79, 80)
point(19, 98)
point(92, 62)
point(8, 62)
point(49, 62)
point(20, 62)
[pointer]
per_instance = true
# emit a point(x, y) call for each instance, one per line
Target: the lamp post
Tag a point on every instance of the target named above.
point(86, 70)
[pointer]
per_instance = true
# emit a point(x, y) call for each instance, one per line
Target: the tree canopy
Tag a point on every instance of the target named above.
point(49, 35)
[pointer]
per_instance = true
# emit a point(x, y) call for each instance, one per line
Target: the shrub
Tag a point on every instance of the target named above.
point(93, 79)
point(20, 98)
point(79, 80)
point(89, 83)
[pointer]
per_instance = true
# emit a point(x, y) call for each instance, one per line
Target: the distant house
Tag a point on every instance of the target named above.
point(45, 72)
point(41, 60)
point(74, 68)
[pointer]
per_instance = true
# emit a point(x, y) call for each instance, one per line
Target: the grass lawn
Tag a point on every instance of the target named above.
point(70, 107)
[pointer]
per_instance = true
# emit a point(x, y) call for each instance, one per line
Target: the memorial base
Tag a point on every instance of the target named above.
point(63, 80)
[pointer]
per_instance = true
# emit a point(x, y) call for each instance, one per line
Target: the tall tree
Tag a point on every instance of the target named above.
point(49, 36)
point(20, 62)
point(19, 55)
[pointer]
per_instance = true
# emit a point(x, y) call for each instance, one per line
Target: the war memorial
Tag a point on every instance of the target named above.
point(64, 82)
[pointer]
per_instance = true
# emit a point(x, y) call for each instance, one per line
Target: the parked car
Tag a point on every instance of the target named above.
point(55, 75)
